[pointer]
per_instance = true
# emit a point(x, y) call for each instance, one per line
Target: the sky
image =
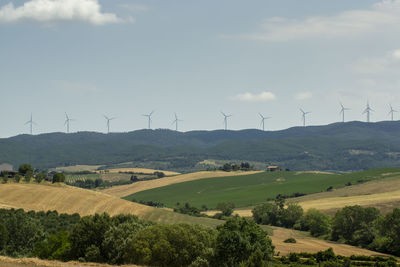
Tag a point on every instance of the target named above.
point(126, 58)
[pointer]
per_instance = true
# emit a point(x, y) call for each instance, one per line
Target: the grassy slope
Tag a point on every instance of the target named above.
point(256, 188)
point(70, 200)
point(126, 190)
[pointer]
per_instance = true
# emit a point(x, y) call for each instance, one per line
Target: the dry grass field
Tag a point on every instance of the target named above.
point(305, 243)
point(140, 170)
point(66, 199)
point(126, 190)
point(33, 262)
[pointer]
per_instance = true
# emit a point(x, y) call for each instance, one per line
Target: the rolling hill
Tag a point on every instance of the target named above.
point(70, 200)
point(249, 190)
point(67, 199)
point(338, 146)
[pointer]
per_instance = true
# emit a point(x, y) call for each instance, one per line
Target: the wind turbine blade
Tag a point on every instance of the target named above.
point(223, 114)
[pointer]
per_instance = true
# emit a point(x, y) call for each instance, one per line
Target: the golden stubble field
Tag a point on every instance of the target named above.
point(68, 199)
point(306, 243)
point(126, 190)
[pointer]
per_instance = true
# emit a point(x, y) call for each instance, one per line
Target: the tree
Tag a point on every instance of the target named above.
point(89, 233)
point(266, 213)
point(40, 177)
point(55, 247)
point(24, 232)
point(5, 179)
point(390, 229)
point(291, 215)
point(317, 222)
point(24, 169)
point(355, 225)
point(3, 237)
point(238, 239)
point(226, 208)
point(117, 239)
point(171, 245)
point(58, 177)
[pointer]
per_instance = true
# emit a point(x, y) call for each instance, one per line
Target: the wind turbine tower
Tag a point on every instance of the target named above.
point(392, 111)
point(343, 109)
point(304, 114)
point(176, 122)
point(226, 119)
point(263, 120)
point(67, 121)
point(149, 119)
point(30, 122)
point(108, 122)
point(368, 111)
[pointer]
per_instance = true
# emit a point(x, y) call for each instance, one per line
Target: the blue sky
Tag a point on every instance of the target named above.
point(125, 58)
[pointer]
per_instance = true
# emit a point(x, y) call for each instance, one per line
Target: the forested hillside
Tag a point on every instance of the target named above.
point(339, 146)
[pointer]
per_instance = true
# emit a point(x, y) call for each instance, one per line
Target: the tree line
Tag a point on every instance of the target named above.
point(126, 239)
point(27, 173)
point(354, 225)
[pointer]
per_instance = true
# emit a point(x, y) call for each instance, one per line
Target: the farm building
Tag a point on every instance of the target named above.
point(273, 168)
point(6, 167)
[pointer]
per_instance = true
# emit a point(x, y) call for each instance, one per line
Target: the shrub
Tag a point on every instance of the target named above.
point(17, 178)
point(290, 240)
point(40, 177)
point(58, 178)
point(226, 208)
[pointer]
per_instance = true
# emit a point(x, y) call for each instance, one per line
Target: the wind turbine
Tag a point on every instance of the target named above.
point(368, 111)
point(31, 122)
point(263, 119)
point(392, 111)
point(176, 122)
point(342, 111)
point(304, 113)
point(67, 121)
point(226, 119)
point(108, 122)
point(149, 118)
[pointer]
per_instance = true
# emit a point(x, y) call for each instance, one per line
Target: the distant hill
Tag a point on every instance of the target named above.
point(338, 146)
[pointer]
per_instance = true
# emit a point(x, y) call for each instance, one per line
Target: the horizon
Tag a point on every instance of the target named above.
point(204, 130)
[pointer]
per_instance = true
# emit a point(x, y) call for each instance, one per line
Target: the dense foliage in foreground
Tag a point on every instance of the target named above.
point(127, 239)
point(354, 225)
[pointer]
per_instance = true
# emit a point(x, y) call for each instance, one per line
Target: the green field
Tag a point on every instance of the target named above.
point(252, 189)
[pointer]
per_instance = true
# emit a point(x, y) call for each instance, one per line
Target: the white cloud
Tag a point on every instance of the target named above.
point(250, 97)
point(303, 95)
point(344, 24)
point(396, 54)
point(45, 11)
point(388, 63)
